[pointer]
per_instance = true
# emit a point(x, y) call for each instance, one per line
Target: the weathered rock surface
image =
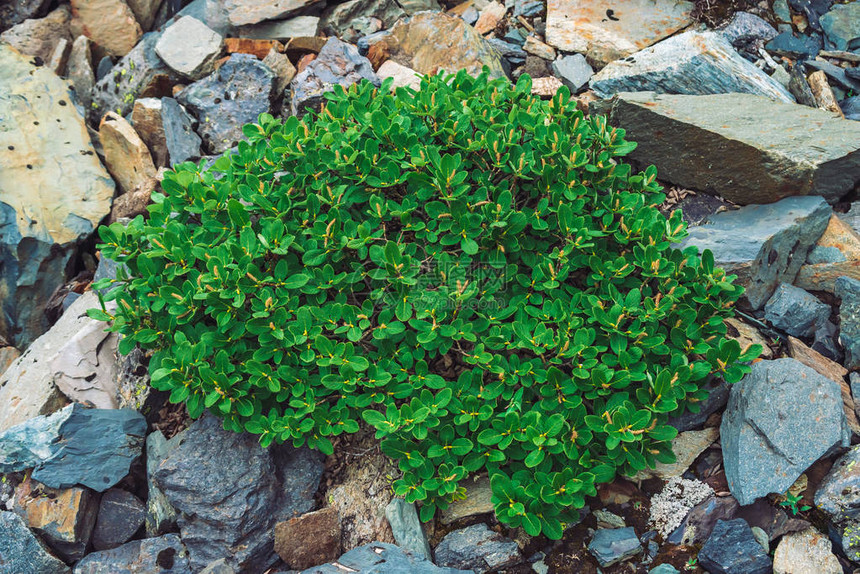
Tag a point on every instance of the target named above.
point(586, 27)
point(80, 71)
point(343, 20)
point(242, 12)
point(40, 37)
point(183, 143)
point(842, 245)
point(838, 495)
point(379, 557)
point(841, 24)
point(282, 30)
point(686, 446)
point(338, 63)
point(700, 521)
point(795, 311)
point(126, 155)
point(165, 555)
point(807, 552)
point(160, 514)
point(477, 548)
point(406, 527)
point(732, 549)
point(43, 222)
point(21, 551)
point(768, 409)
point(148, 123)
point(705, 142)
point(16, 11)
point(613, 545)
point(402, 76)
point(109, 23)
point(692, 63)
point(718, 396)
point(145, 12)
point(121, 515)
point(573, 70)
point(236, 94)
point(29, 443)
point(230, 492)
point(747, 32)
point(848, 290)
point(189, 47)
point(310, 539)
point(763, 244)
point(478, 500)
point(678, 497)
point(433, 41)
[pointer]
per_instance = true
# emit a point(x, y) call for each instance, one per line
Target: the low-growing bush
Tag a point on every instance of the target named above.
point(466, 268)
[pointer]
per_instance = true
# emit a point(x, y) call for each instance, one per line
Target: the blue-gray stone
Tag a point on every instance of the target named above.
point(510, 51)
point(664, 569)
point(777, 402)
point(574, 71)
point(232, 96)
point(732, 549)
point(103, 68)
point(787, 44)
point(477, 548)
point(820, 254)
point(343, 20)
point(796, 311)
point(382, 558)
point(838, 495)
point(183, 143)
point(514, 36)
point(406, 527)
point(848, 290)
point(32, 442)
point(613, 545)
point(229, 492)
point(94, 447)
point(164, 555)
point(21, 552)
point(825, 342)
point(842, 25)
point(851, 108)
point(718, 396)
point(121, 514)
point(812, 9)
point(746, 32)
point(160, 514)
point(529, 8)
point(700, 521)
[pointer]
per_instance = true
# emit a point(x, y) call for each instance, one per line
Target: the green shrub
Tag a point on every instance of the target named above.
point(467, 268)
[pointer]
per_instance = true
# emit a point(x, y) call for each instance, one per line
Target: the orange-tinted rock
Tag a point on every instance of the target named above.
point(109, 23)
point(258, 48)
point(126, 155)
point(310, 539)
point(39, 37)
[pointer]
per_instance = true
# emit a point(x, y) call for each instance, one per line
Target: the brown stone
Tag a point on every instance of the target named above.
point(305, 61)
point(823, 93)
point(283, 68)
point(822, 276)
point(130, 205)
point(747, 335)
point(831, 370)
point(537, 48)
point(310, 539)
point(490, 18)
point(126, 156)
point(258, 48)
point(146, 116)
point(7, 355)
point(39, 37)
point(378, 54)
point(301, 45)
point(109, 23)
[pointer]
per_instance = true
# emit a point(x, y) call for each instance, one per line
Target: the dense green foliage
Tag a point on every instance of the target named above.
point(466, 268)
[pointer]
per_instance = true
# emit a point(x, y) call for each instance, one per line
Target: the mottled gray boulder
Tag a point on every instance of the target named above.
point(732, 549)
point(699, 523)
point(121, 515)
point(164, 555)
point(189, 47)
point(242, 12)
point(842, 25)
point(21, 551)
point(406, 527)
point(95, 448)
point(337, 63)
point(689, 63)
point(746, 149)
point(838, 495)
point(160, 514)
point(613, 545)
point(574, 71)
point(795, 311)
point(763, 244)
point(183, 143)
point(235, 95)
point(282, 30)
point(792, 46)
point(848, 290)
point(768, 410)
point(30, 443)
point(210, 12)
point(477, 548)
point(382, 558)
point(229, 493)
point(747, 32)
point(341, 20)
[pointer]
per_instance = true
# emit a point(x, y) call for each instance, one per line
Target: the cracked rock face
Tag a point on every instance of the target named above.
point(768, 410)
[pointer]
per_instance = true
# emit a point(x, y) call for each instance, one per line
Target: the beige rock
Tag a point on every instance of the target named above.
point(39, 37)
point(686, 446)
point(282, 30)
point(241, 12)
point(747, 335)
point(490, 17)
point(7, 356)
point(190, 47)
point(58, 60)
point(126, 156)
point(586, 27)
point(546, 87)
point(822, 276)
point(478, 500)
point(144, 12)
point(807, 552)
point(403, 77)
point(310, 539)
point(109, 23)
point(146, 117)
point(537, 48)
point(283, 68)
point(130, 205)
point(823, 93)
point(80, 70)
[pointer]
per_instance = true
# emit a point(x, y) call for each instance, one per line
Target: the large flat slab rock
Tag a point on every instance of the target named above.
point(745, 148)
point(764, 245)
point(54, 191)
point(242, 12)
point(768, 410)
point(690, 63)
point(588, 27)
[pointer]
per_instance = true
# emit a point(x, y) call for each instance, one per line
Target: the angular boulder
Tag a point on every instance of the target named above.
point(109, 23)
point(189, 47)
point(848, 290)
point(768, 409)
point(310, 539)
point(165, 555)
point(732, 549)
point(182, 142)
point(764, 245)
point(745, 148)
point(796, 311)
point(477, 548)
point(40, 37)
point(406, 527)
point(54, 189)
point(838, 495)
point(807, 552)
point(691, 63)
point(121, 514)
point(126, 155)
point(835, 255)
point(341, 20)
point(22, 551)
point(379, 557)
point(160, 515)
point(242, 12)
point(613, 545)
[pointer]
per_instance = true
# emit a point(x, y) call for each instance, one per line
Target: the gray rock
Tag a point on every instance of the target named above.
point(835, 74)
point(851, 108)
point(763, 244)
point(732, 549)
point(212, 13)
point(574, 71)
point(848, 290)
point(406, 527)
point(691, 63)
point(513, 53)
point(164, 555)
point(30, 443)
point(798, 85)
point(838, 495)
point(183, 143)
point(80, 72)
point(613, 545)
point(821, 254)
point(95, 448)
point(791, 46)
point(382, 558)
point(340, 19)
point(664, 569)
point(230, 492)
point(699, 523)
point(747, 149)
point(718, 396)
point(768, 409)
point(103, 68)
point(762, 538)
point(14, 12)
point(477, 548)
point(825, 342)
point(235, 95)
point(189, 47)
point(121, 515)
point(528, 8)
point(846, 538)
point(218, 567)
point(795, 311)
point(242, 12)
point(160, 514)
point(21, 551)
point(337, 63)
point(842, 25)
point(282, 30)
point(747, 32)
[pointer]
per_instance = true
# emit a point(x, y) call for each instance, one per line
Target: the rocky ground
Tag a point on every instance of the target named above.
point(749, 111)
